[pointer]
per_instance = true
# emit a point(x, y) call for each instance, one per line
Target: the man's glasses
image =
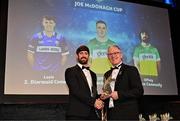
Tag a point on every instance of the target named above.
point(115, 53)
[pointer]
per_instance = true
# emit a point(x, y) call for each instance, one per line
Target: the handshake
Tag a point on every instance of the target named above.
point(99, 104)
point(107, 93)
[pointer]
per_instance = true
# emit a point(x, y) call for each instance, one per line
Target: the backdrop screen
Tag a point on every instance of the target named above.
point(43, 35)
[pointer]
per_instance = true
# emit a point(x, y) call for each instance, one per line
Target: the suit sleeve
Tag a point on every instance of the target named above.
point(75, 90)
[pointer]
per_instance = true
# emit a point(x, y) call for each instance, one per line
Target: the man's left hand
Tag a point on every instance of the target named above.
point(114, 95)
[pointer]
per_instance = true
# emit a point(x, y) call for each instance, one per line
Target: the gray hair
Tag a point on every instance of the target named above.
point(116, 46)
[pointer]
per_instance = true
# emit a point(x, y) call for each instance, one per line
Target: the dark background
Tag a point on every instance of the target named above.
point(16, 107)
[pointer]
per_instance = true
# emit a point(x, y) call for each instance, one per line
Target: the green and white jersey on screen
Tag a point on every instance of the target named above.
point(98, 52)
point(147, 58)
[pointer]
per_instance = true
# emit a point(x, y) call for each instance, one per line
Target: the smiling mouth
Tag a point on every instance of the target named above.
point(83, 58)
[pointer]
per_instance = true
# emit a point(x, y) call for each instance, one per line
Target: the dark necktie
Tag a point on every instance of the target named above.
point(84, 67)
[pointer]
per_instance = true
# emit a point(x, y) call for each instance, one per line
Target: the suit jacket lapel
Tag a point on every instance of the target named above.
point(94, 85)
point(93, 78)
point(119, 76)
point(121, 70)
point(81, 74)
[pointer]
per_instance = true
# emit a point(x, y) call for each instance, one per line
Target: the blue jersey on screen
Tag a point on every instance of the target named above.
point(47, 51)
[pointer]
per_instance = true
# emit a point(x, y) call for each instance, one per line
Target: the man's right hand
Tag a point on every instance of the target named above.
point(99, 104)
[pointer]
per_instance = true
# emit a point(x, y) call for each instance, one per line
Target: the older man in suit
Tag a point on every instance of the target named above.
point(126, 88)
point(83, 97)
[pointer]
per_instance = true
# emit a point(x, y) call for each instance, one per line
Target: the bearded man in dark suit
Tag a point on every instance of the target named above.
point(126, 88)
point(83, 97)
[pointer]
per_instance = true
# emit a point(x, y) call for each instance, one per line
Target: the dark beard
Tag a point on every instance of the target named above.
point(82, 61)
point(146, 40)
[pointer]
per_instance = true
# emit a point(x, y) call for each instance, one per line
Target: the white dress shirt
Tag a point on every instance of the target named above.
point(88, 77)
point(112, 84)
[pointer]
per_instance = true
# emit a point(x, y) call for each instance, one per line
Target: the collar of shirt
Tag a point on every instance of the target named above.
point(145, 44)
point(81, 66)
point(117, 66)
point(116, 71)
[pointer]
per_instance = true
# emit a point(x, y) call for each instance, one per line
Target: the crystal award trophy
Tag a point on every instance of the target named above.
point(106, 94)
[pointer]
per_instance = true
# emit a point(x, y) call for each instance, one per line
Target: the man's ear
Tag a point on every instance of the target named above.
point(76, 56)
point(122, 56)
